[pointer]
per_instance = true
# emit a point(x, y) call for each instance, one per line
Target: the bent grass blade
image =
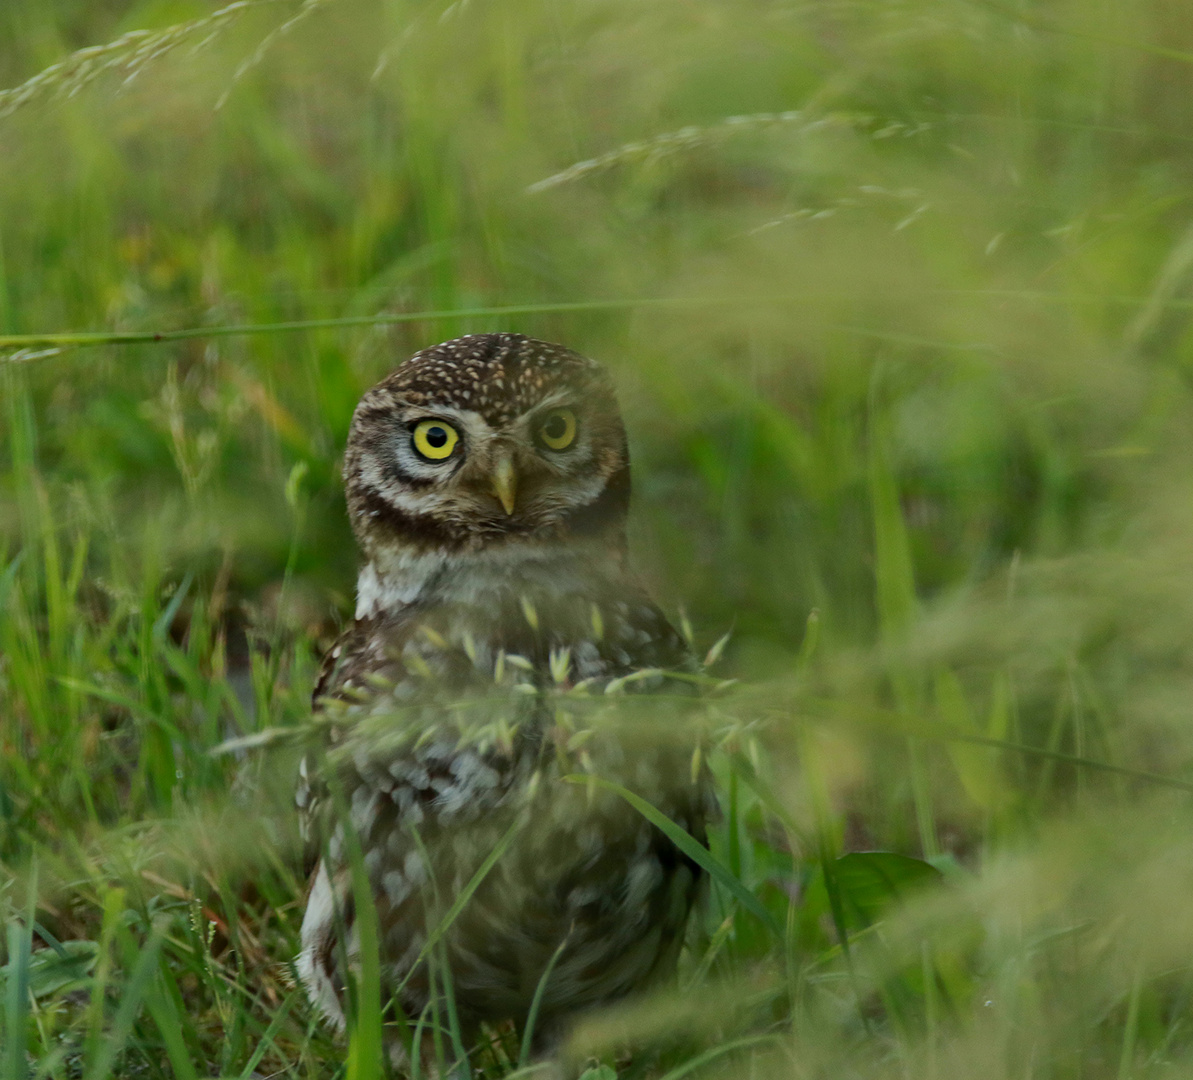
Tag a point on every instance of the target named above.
point(690, 846)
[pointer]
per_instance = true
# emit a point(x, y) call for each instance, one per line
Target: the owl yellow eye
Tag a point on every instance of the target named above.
point(435, 440)
point(558, 431)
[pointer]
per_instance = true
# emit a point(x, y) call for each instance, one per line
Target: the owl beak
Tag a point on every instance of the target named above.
point(505, 483)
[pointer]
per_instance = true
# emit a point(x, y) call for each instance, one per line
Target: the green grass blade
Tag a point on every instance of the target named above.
point(899, 723)
point(162, 1008)
point(364, 1046)
point(85, 339)
point(690, 846)
point(113, 908)
point(700, 1060)
point(16, 1000)
point(267, 1039)
point(453, 1020)
point(130, 1003)
point(536, 1003)
point(416, 1044)
point(464, 896)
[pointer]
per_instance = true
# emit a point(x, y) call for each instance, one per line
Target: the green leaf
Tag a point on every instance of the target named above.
point(871, 881)
point(52, 970)
point(599, 1072)
point(690, 846)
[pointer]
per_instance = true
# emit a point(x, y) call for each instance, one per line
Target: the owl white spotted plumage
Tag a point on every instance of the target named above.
point(487, 483)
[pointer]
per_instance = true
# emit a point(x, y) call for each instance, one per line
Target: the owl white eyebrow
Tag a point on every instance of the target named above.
point(553, 401)
point(469, 421)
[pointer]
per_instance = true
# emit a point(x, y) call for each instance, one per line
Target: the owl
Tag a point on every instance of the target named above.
point(488, 482)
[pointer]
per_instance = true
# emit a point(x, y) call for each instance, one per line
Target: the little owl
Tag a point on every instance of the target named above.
point(488, 481)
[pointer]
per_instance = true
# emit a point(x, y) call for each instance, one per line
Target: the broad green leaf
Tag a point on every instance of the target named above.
point(870, 881)
point(52, 970)
point(599, 1072)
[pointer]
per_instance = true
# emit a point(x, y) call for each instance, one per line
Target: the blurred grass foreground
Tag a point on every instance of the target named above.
point(897, 294)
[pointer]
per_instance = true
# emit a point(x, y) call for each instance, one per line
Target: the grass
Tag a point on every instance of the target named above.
point(897, 296)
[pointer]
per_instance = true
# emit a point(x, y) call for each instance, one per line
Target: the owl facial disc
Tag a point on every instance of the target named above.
point(487, 440)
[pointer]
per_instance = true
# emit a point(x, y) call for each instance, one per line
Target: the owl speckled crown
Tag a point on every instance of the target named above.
point(498, 375)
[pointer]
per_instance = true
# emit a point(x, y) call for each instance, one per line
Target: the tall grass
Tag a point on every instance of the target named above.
point(897, 296)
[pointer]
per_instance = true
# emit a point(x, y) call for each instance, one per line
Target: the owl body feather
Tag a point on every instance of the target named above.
point(457, 701)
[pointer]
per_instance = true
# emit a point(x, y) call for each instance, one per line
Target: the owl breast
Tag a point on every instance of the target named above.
point(460, 720)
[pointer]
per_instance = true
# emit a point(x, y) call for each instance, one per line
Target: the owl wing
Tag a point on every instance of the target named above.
point(344, 671)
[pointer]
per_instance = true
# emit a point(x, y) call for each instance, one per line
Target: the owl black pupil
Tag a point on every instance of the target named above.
point(555, 428)
point(436, 437)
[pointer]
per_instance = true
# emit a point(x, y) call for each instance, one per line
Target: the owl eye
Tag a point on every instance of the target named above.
point(558, 431)
point(435, 440)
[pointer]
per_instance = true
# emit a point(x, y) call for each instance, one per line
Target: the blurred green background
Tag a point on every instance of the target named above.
point(897, 295)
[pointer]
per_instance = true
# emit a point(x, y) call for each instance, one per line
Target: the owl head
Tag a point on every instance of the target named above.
point(485, 440)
